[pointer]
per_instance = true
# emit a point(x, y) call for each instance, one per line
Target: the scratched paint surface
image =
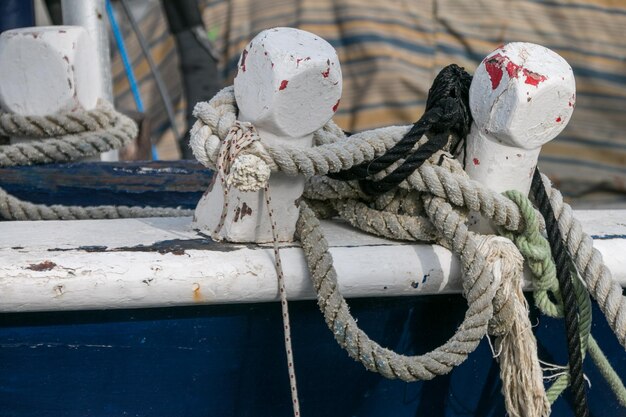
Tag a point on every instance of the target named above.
point(155, 183)
point(497, 64)
point(228, 361)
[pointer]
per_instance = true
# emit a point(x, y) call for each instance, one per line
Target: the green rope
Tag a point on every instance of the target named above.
point(536, 250)
point(607, 371)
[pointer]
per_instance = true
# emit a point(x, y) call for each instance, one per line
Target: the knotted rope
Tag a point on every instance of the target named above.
point(440, 196)
point(337, 152)
point(63, 138)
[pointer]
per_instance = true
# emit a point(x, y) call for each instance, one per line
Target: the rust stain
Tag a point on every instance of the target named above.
point(197, 295)
point(242, 212)
point(245, 210)
point(244, 55)
point(237, 213)
point(43, 266)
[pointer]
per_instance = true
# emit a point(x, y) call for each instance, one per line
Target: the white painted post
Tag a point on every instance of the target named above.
point(522, 96)
point(91, 15)
point(47, 70)
point(288, 86)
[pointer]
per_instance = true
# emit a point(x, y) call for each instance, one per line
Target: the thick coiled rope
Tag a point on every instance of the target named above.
point(63, 138)
point(335, 152)
point(339, 152)
point(479, 285)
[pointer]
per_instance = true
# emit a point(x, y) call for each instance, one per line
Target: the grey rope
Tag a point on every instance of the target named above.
point(63, 138)
point(337, 152)
point(479, 285)
point(79, 121)
point(588, 261)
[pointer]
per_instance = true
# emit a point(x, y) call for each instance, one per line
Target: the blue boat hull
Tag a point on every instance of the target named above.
point(229, 361)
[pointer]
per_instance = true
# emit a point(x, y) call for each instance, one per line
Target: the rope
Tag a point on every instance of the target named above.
point(478, 284)
point(16, 209)
point(284, 306)
point(67, 137)
point(336, 152)
point(447, 114)
point(570, 304)
point(229, 172)
point(434, 197)
point(536, 250)
point(78, 121)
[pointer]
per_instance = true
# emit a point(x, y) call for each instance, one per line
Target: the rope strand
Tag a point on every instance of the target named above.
point(570, 307)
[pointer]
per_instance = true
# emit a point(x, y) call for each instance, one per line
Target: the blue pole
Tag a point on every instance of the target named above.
point(128, 68)
point(16, 14)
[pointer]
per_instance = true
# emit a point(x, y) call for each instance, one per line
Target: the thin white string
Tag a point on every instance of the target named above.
point(240, 136)
point(285, 309)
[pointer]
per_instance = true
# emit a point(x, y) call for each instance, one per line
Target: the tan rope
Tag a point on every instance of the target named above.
point(336, 152)
point(63, 138)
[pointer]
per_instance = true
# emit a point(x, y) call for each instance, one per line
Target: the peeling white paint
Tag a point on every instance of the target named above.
point(522, 96)
point(218, 273)
point(288, 86)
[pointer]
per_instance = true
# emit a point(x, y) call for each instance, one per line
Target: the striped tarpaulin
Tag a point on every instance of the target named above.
point(390, 52)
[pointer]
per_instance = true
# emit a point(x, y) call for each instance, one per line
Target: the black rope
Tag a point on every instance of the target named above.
point(447, 113)
point(563, 261)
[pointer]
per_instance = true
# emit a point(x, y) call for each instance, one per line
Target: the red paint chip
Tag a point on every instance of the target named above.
point(497, 63)
point(476, 161)
point(283, 85)
point(244, 55)
point(336, 106)
point(558, 120)
point(533, 78)
point(492, 65)
point(326, 73)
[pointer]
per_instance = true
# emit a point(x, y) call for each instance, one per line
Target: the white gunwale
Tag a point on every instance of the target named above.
point(159, 262)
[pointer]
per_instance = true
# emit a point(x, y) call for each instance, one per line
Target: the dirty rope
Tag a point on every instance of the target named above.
point(63, 138)
point(404, 213)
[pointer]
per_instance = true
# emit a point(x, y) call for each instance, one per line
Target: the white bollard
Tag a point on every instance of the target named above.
point(91, 15)
point(522, 96)
point(47, 70)
point(288, 86)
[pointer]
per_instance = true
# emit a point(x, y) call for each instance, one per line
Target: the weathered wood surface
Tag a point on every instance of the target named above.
point(155, 183)
point(163, 262)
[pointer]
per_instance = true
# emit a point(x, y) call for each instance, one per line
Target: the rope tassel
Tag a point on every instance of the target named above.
point(515, 346)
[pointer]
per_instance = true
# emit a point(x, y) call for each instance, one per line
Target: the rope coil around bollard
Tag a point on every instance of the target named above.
point(335, 152)
point(438, 181)
point(63, 138)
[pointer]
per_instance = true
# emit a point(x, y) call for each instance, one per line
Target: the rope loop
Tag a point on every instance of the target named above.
point(68, 137)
